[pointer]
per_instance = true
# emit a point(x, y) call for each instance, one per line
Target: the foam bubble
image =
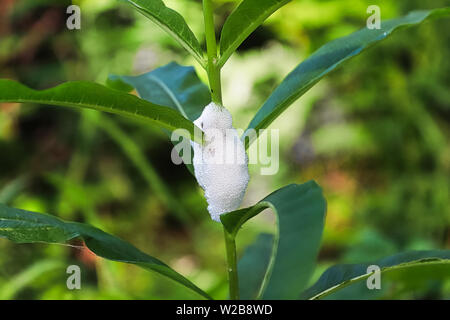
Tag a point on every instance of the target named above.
point(221, 164)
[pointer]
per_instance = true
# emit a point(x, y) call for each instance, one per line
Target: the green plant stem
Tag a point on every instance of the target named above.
point(233, 281)
point(212, 67)
point(213, 71)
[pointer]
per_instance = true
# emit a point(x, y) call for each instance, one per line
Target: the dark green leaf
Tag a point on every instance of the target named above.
point(252, 267)
point(328, 58)
point(249, 15)
point(83, 94)
point(172, 85)
point(171, 22)
point(29, 227)
point(348, 281)
point(300, 211)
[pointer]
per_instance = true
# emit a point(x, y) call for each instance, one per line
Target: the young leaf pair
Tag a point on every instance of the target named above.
point(239, 25)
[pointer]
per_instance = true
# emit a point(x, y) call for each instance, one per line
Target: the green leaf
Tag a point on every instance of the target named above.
point(171, 22)
point(300, 211)
point(252, 267)
point(29, 227)
point(434, 264)
point(172, 85)
point(242, 22)
point(83, 94)
point(328, 58)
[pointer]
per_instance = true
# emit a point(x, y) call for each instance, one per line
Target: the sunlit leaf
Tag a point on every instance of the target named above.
point(172, 22)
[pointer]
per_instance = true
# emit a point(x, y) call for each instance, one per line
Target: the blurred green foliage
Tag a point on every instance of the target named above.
point(375, 134)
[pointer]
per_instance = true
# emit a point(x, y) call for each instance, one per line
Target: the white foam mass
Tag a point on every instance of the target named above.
point(221, 164)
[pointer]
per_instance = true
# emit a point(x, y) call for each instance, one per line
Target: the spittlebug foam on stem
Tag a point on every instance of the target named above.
point(221, 164)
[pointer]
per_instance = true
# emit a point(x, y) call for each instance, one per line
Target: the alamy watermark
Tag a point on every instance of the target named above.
point(74, 280)
point(265, 152)
point(374, 280)
point(374, 20)
point(73, 22)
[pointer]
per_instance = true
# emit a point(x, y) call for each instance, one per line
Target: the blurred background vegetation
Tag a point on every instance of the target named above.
point(374, 134)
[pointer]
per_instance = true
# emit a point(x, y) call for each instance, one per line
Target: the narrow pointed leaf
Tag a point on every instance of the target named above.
point(22, 226)
point(249, 15)
point(171, 22)
point(328, 58)
point(83, 94)
point(348, 281)
point(300, 211)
